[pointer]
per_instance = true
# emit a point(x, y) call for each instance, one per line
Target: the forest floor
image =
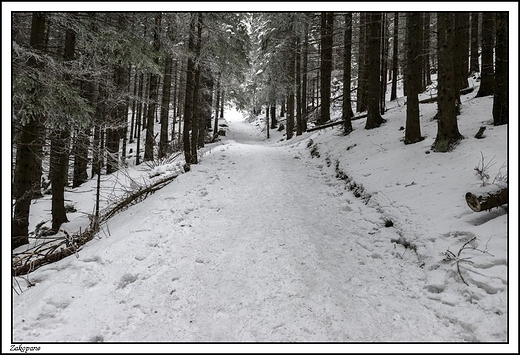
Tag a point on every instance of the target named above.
point(264, 242)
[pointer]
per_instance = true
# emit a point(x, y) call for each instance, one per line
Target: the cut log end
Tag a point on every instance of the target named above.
point(487, 198)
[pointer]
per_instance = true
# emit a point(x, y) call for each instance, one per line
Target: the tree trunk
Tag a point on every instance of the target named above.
point(413, 125)
point(196, 123)
point(393, 93)
point(487, 197)
point(165, 107)
point(273, 115)
point(139, 120)
point(347, 113)
point(447, 130)
point(501, 96)
point(152, 95)
point(217, 104)
point(222, 104)
point(327, 27)
point(384, 64)
point(461, 52)
point(190, 85)
point(24, 172)
point(304, 75)
point(374, 118)
point(487, 75)
point(298, 83)
point(58, 175)
point(474, 67)
point(361, 101)
point(427, 35)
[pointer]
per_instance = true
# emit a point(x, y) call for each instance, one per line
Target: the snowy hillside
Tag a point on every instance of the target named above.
point(323, 238)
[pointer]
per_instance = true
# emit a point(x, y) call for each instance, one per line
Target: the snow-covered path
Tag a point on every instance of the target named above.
point(258, 243)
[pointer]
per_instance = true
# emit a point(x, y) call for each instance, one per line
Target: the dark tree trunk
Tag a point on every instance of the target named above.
point(501, 95)
point(175, 102)
point(222, 104)
point(134, 106)
point(196, 123)
point(427, 34)
point(304, 75)
point(474, 67)
point(447, 130)
point(347, 46)
point(165, 107)
point(206, 100)
point(393, 93)
point(461, 51)
point(282, 108)
point(384, 64)
point(364, 34)
point(190, 85)
point(25, 158)
point(298, 83)
point(327, 27)
point(273, 116)
point(291, 66)
point(81, 148)
point(139, 120)
point(487, 74)
point(58, 176)
point(59, 161)
point(217, 104)
point(152, 95)
point(413, 126)
point(374, 118)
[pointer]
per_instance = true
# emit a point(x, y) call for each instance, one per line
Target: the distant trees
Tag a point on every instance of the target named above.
point(85, 82)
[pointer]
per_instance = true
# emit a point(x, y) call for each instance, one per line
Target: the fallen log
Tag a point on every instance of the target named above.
point(487, 197)
point(335, 123)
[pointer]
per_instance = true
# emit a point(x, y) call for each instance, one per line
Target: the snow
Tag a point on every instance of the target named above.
point(262, 242)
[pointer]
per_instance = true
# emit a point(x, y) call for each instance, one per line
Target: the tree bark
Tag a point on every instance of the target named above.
point(196, 123)
point(474, 67)
point(298, 84)
point(413, 125)
point(152, 95)
point(374, 118)
point(447, 130)
point(501, 95)
point(165, 107)
point(487, 75)
point(361, 101)
point(190, 85)
point(393, 93)
point(304, 75)
point(327, 27)
point(487, 197)
point(347, 113)
point(25, 165)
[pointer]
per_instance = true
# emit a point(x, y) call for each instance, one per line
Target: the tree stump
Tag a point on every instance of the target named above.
point(487, 197)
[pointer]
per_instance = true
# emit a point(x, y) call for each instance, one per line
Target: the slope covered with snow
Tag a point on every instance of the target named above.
point(265, 242)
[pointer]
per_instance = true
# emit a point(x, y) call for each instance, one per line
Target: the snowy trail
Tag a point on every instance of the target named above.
point(258, 243)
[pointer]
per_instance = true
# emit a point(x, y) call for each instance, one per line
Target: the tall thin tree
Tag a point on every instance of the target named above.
point(487, 73)
point(501, 90)
point(347, 53)
point(447, 129)
point(374, 118)
point(413, 126)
